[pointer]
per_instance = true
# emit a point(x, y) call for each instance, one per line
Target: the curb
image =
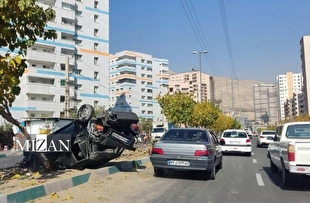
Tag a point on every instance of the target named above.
point(47, 188)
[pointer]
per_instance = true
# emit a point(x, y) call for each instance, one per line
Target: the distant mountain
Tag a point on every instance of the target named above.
point(243, 94)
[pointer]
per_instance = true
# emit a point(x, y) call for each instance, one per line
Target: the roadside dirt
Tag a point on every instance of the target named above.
point(109, 189)
point(16, 179)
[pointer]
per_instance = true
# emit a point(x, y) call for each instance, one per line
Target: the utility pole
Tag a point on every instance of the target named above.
point(233, 84)
point(200, 76)
point(67, 91)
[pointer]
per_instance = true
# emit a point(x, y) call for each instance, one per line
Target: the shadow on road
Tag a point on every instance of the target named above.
point(301, 183)
point(186, 175)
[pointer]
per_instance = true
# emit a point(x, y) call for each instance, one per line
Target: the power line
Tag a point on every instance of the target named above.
point(227, 37)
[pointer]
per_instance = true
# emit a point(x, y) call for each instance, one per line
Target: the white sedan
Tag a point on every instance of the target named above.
point(236, 140)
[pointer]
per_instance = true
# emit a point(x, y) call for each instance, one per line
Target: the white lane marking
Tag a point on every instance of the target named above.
point(254, 161)
point(252, 153)
point(259, 179)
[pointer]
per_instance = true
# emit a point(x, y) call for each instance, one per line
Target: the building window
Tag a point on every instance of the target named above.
point(68, 6)
point(96, 104)
point(78, 42)
point(96, 90)
point(96, 31)
point(96, 4)
point(62, 98)
point(96, 75)
point(96, 18)
point(96, 46)
point(78, 57)
point(96, 61)
point(78, 27)
point(78, 13)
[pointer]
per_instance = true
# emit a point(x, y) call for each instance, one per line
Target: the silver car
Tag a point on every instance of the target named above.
point(187, 149)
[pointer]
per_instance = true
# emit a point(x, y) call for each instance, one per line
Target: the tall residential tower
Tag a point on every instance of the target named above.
point(305, 64)
point(136, 79)
point(83, 41)
point(288, 84)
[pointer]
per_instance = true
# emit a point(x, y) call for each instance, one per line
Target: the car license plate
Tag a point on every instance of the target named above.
point(178, 163)
point(119, 137)
point(234, 142)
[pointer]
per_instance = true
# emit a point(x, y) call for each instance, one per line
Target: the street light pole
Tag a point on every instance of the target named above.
point(200, 77)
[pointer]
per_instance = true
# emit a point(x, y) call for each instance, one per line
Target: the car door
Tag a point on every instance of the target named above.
point(217, 147)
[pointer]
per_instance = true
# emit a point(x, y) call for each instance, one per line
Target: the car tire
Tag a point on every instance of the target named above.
point(158, 172)
point(220, 164)
point(273, 167)
point(211, 174)
point(85, 113)
point(248, 154)
point(286, 176)
point(258, 145)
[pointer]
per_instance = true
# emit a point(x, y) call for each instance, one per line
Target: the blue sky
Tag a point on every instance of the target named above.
point(263, 35)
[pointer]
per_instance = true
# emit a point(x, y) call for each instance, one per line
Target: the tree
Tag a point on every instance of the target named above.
point(177, 108)
point(145, 125)
point(222, 123)
point(99, 109)
point(205, 114)
point(21, 23)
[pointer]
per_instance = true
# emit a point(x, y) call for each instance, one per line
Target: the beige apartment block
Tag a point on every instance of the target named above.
point(201, 86)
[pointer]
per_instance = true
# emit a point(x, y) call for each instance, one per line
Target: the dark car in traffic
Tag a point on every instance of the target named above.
point(187, 149)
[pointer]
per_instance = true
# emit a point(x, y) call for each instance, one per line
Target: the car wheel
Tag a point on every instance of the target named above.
point(211, 174)
point(158, 172)
point(257, 145)
point(286, 176)
point(85, 113)
point(273, 167)
point(248, 153)
point(220, 164)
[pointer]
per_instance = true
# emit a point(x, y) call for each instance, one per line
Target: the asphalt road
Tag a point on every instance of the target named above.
point(242, 179)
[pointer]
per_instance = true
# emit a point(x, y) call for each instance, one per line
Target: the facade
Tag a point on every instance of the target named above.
point(265, 104)
point(189, 82)
point(288, 84)
point(305, 64)
point(294, 106)
point(136, 79)
point(81, 50)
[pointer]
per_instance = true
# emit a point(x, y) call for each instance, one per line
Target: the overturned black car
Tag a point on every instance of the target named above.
point(94, 141)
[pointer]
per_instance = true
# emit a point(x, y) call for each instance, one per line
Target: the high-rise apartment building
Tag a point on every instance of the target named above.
point(265, 103)
point(287, 85)
point(305, 64)
point(294, 106)
point(83, 39)
point(189, 82)
point(136, 79)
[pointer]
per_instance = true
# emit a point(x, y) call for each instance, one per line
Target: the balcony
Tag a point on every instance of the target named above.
point(39, 89)
point(41, 55)
point(126, 61)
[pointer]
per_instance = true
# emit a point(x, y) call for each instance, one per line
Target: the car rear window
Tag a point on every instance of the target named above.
point(185, 135)
point(235, 134)
point(268, 133)
point(298, 131)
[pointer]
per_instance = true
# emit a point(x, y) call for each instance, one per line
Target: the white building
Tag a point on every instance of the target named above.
point(287, 84)
point(136, 79)
point(305, 64)
point(83, 38)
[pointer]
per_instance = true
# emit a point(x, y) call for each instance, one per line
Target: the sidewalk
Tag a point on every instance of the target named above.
point(59, 185)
